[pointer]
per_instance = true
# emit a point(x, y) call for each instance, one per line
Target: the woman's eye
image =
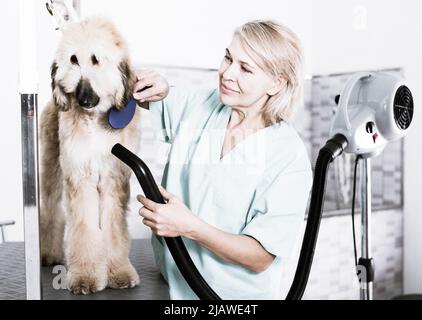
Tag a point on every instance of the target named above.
point(227, 58)
point(246, 70)
point(74, 60)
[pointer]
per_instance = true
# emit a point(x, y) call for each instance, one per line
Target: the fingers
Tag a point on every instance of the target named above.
point(148, 218)
point(150, 94)
point(149, 223)
point(144, 81)
point(167, 195)
point(151, 86)
point(149, 204)
point(147, 214)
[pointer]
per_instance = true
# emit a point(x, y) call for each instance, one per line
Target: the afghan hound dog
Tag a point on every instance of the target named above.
point(84, 189)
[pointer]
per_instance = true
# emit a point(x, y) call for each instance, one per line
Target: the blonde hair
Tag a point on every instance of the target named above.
point(278, 51)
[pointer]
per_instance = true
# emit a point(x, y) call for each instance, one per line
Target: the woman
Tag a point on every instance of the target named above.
point(238, 176)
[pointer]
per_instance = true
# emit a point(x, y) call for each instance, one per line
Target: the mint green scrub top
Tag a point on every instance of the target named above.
point(260, 189)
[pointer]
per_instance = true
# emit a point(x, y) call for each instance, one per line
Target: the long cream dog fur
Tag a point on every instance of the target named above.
point(84, 188)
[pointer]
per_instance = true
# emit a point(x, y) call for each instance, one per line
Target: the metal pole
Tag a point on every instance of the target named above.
point(366, 260)
point(28, 83)
point(30, 195)
point(3, 239)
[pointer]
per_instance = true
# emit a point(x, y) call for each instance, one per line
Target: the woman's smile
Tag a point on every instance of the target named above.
point(226, 90)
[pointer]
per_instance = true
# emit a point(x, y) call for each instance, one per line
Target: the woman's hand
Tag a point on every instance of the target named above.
point(151, 86)
point(172, 219)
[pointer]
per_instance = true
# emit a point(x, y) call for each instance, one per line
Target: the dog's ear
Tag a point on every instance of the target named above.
point(61, 99)
point(128, 81)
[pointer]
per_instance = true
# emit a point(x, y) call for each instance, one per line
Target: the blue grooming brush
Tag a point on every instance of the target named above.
point(119, 119)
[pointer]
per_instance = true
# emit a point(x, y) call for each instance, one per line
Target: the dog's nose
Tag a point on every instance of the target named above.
point(85, 95)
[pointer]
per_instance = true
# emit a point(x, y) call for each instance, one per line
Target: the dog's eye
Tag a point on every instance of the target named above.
point(94, 60)
point(74, 60)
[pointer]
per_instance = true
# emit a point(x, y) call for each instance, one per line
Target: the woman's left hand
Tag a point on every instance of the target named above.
point(172, 219)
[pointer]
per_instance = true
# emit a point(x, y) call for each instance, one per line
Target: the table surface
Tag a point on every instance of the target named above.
point(12, 277)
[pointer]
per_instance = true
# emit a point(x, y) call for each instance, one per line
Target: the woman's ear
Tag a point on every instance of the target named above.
point(61, 99)
point(279, 83)
point(128, 82)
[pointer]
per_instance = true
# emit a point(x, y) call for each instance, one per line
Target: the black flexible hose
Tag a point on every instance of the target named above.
point(176, 246)
point(332, 149)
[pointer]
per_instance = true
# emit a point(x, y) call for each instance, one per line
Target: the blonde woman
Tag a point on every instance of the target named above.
point(238, 177)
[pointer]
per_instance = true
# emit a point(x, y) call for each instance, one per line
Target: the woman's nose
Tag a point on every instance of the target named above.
point(230, 73)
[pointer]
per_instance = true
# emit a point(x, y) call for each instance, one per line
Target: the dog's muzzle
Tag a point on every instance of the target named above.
point(85, 95)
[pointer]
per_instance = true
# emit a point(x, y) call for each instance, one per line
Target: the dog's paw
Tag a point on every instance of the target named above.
point(84, 283)
point(123, 277)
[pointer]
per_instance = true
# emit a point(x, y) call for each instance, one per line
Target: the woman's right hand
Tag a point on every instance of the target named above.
point(151, 86)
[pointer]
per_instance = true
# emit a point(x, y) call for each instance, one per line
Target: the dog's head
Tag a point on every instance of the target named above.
point(91, 69)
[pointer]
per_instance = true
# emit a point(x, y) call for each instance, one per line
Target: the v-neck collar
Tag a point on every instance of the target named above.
point(223, 130)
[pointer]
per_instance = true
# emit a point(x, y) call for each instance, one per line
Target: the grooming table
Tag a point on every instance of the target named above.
point(12, 277)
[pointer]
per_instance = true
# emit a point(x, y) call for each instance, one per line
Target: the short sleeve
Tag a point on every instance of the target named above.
point(168, 113)
point(278, 212)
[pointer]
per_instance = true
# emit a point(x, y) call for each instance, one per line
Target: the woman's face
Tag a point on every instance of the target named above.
point(242, 83)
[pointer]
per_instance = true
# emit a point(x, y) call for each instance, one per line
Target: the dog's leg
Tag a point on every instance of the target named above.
point(52, 224)
point(85, 252)
point(114, 200)
point(51, 183)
